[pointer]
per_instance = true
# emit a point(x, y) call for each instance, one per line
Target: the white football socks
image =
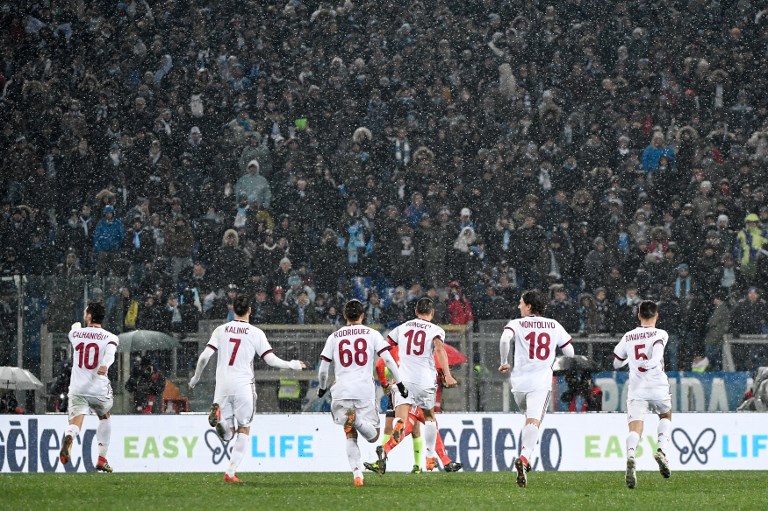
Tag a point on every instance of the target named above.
point(354, 458)
point(430, 438)
point(238, 451)
point(530, 438)
point(632, 440)
point(103, 434)
point(72, 430)
point(664, 429)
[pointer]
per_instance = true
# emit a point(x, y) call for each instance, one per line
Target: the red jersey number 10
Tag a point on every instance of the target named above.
point(87, 355)
point(538, 345)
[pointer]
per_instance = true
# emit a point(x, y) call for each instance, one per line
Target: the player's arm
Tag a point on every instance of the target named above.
point(620, 358)
point(381, 372)
point(505, 348)
point(273, 360)
point(202, 361)
point(109, 358)
point(442, 359)
point(386, 356)
point(326, 357)
point(567, 348)
point(657, 353)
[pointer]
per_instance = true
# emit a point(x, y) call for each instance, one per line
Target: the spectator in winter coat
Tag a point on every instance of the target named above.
point(458, 307)
point(254, 186)
point(750, 317)
point(717, 327)
point(107, 240)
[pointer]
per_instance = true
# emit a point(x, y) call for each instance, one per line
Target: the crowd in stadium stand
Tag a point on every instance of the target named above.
point(308, 152)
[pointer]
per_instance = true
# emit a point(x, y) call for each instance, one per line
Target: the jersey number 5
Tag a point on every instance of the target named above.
point(88, 355)
point(640, 352)
point(538, 345)
point(346, 357)
point(234, 350)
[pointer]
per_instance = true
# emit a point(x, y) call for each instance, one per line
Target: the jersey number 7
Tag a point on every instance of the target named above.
point(234, 350)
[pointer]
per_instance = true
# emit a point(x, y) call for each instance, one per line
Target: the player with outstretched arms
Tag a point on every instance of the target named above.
point(535, 339)
point(419, 341)
point(89, 387)
point(642, 349)
point(237, 343)
point(353, 349)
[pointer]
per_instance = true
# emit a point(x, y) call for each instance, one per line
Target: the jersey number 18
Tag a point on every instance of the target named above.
point(538, 346)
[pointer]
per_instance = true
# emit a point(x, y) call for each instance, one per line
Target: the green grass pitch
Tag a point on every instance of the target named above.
point(433, 491)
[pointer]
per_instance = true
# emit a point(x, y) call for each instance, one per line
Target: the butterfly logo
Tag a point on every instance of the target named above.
point(217, 446)
point(698, 448)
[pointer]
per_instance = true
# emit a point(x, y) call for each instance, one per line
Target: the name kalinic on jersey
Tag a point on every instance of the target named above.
point(236, 330)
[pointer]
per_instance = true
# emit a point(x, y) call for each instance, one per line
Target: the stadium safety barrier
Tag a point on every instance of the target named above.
point(313, 443)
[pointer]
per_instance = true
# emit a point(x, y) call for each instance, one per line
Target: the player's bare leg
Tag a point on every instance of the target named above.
point(633, 438)
point(664, 428)
point(72, 430)
point(238, 452)
point(103, 436)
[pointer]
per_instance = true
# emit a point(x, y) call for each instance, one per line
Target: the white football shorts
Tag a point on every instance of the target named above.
point(365, 409)
point(238, 409)
point(423, 397)
point(533, 404)
point(637, 408)
point(81, 405)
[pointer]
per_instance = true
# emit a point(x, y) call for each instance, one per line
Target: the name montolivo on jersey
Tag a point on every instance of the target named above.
point(80, 334)
point(537, 324)
point(642, 335)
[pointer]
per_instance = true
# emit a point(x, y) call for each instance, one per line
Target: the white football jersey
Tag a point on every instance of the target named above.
point(415, 339)
point(636, 347)
point(353, 350)
point(237, 343)
point(90, 345)
point(535, 340)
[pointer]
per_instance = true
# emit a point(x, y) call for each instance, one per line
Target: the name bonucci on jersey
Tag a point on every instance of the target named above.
point(352, 350)
point(536, 340)
point(415, 339)
point(237, 343)
point(636, 347)
point(90, 346)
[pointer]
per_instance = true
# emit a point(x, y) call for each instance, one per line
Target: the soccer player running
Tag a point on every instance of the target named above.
point(237, 343)
point(89, 387)
point(419, 341)
point(415, 417)
point(535, 339)
point(642, 349)
point(352, 348)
